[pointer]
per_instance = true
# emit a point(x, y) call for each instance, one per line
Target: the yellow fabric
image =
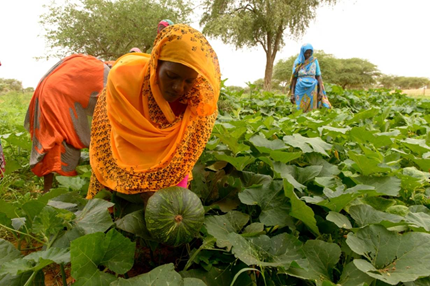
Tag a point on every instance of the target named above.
point(138, 143)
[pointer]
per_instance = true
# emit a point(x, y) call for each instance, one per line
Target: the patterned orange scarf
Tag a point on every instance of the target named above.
point(138, 144)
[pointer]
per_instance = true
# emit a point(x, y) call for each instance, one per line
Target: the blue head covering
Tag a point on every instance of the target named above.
point(301, 57)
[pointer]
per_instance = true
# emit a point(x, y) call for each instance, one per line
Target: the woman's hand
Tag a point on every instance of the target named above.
point(320, 96)
point(292, 98)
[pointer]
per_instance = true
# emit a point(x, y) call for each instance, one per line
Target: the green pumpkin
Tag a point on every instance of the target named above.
point(174, 215)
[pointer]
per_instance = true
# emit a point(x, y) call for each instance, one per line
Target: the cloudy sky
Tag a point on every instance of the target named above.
point(393, 34)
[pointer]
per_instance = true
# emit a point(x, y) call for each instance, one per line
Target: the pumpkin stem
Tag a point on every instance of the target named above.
point(178, 218)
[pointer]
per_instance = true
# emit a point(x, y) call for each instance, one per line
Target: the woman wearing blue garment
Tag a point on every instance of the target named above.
point(307, 89)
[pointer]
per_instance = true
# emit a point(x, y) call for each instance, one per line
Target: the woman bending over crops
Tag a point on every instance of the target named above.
point(57, 117)
point(155, 116)
point(307, 89)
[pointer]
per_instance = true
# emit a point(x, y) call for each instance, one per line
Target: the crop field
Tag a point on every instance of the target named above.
point(421, 93)
point(327, 198)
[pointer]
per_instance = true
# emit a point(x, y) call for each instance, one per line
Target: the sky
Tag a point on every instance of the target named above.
point(392, 34)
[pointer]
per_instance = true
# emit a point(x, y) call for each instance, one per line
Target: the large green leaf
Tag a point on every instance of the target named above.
point(8, 251)
point(299, 209)
point(333, 130)
point(367, 165)
point(339, 199)
point(17, 280)
point(308, 145)
point(220, 226)
point(8, 209)
point(35, 261)
point(49, 221)
point(360, 134)
point(238, 162)
point(95, 216)
point(93, 250)
point(307, 174)
point(74, 183)
point(364, 215)
point(118, 252)
point(391, 257)
point(419, 282)
point(134, 223)
point(264, 145)
point(289, 173)
point(272, 201)
point(164, 275)
point(97, 278)
point(379, 203)
point(193, 282)
point(284, 157)
point(351, 276)
point(231, 139)
point(362, 115)
point(32, 209)
point(277, 251)
point(322, 258)
point(339, 219)
point(64, 240)
point(328, 170)
point(389, 186)
point(419, 221)
point(418, 146)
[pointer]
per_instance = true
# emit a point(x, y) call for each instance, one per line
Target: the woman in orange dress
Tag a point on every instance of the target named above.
point(58, 115)
point(155, 116)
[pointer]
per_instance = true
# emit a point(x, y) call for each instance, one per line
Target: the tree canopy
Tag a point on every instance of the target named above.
point(9, 84)
point(259, 22)
point(403, 82)
point(105, 28)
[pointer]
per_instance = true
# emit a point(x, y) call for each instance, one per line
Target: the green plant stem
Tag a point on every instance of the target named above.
point(52, 241)
point(240, 272)
point(26, 234)
point(30, 280)
point(203, 246)
point(63, 274)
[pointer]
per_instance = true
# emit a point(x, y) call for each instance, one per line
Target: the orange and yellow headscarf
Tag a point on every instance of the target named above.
point(138, 144)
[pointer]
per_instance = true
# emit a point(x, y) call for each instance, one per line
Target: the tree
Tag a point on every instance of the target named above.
point(107, 28)
point(387, 81)
point(10, 84)
point(246, 23)
point(404, 82)
point(356, 73)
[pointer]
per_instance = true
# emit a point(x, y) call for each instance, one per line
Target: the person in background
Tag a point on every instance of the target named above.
point(306, 85)
point(58, 115)
point(154, 117)
point(163, 24)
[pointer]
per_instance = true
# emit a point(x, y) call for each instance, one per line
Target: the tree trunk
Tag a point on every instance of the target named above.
point(271, 50)
point(268, 73)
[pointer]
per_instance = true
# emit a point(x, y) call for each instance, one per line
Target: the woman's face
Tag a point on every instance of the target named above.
point(308, 54)
point(175, 80)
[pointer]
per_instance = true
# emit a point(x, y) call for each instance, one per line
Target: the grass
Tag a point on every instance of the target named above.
point(417, 93)
point(18, 180)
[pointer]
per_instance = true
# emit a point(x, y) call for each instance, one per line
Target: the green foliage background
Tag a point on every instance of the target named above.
point(330, 197)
